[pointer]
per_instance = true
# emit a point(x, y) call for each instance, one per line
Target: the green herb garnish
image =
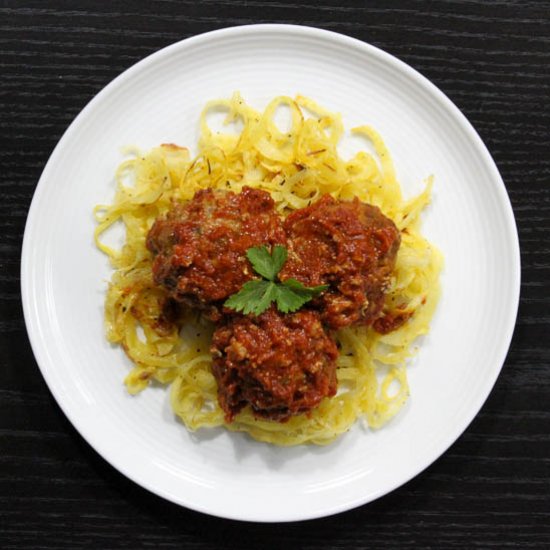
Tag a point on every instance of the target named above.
point(257, 295)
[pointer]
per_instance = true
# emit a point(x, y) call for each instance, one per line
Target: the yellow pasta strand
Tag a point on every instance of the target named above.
point(296, 167)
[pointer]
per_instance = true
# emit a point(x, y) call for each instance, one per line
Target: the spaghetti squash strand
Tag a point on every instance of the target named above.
point(297, 167)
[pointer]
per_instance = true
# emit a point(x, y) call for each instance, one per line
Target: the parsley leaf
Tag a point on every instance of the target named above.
point(279, 256)
point(297, 286)
point(292, 295)
point(267, 298)
point(256, 296)
point(265, 264)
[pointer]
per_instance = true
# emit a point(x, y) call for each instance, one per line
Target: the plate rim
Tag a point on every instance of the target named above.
point(32, 322)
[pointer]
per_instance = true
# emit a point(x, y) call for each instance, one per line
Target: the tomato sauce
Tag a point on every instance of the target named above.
point(349, 245)
point(278, 364)
point(200, 247)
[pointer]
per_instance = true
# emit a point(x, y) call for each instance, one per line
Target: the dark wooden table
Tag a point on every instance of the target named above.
point(491, 489)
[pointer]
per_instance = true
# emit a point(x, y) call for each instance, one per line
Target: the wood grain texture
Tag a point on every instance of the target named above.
point(491, 489)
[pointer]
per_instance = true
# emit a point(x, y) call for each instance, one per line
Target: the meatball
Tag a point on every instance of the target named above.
point(280, 365)
point(200, 246)
point(349, 245)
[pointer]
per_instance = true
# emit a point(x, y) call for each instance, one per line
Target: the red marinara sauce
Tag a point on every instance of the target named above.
point(278, 364)
point(200, 246)
point(349, 245)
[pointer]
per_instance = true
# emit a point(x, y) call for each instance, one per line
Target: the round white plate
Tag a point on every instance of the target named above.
point(159, 100)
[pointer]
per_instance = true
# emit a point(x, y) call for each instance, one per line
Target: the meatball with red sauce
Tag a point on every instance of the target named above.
point(200, 247)
point(278, 364)
point(349, 245)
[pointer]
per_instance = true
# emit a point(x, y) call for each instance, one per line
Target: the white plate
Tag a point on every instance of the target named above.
point(159, 100)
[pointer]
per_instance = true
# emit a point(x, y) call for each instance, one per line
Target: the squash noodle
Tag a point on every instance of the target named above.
point(296, 166)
